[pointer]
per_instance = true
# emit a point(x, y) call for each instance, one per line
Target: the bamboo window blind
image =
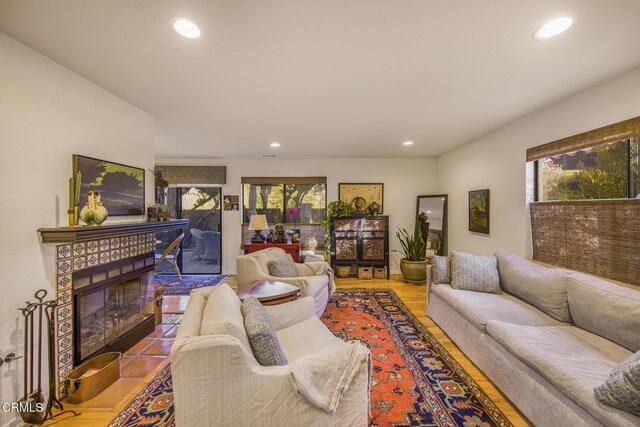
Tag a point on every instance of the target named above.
point(600, 237)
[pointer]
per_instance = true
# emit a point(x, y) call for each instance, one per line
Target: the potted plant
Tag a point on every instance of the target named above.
point(335, 209)
point(413, 263)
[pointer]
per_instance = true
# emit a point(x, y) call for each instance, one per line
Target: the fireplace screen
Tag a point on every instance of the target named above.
point(108, 313)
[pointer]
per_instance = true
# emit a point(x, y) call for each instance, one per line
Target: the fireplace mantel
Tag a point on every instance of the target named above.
point(85, 233)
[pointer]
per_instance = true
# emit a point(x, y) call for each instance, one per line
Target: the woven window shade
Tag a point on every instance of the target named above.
point(600, 237)
point(605, 135)
point(284, 180)
point(194, 175)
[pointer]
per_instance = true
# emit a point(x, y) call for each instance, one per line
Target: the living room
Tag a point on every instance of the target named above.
point(451, 100)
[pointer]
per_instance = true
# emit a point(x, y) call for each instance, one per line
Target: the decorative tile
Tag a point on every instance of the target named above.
point(104, 245)
point(115, 243)
point(65, 343)
point(124, 253)
point(64, 297)
point(133, 240)
point(64, 251)
point(64, 281)
point(92, 247)
point(64, 266)
point(64, 372)
point(105, 257)
point(92, 260)
point(65, 312)
point(79, 249)
point(65, 326)
point(79, 263)
point(65, 358)
point(133, 251)
point(115, 255)
point(124, 241)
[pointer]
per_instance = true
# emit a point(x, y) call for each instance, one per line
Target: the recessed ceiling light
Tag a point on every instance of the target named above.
point(274, 145)
point(428, 211)
point(187, 28)
point(407, 143)
point(554, 27)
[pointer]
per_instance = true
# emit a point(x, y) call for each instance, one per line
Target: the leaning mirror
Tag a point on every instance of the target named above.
point(431, 222)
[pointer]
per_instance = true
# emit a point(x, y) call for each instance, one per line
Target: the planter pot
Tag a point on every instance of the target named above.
point(414, 271)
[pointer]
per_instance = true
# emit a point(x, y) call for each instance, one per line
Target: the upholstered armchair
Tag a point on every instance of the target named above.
point(218, 382)
point(315, 279)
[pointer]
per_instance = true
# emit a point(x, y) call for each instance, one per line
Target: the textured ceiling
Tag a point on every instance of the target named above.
point(330, 78)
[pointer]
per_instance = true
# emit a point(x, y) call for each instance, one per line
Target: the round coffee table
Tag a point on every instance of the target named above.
point(270, 293)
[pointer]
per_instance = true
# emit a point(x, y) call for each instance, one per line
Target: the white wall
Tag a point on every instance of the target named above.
point(497, 161)
point(48, 113)
point(404, 180)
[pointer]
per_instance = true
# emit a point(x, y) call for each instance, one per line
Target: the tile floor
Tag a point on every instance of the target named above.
point(139, 362)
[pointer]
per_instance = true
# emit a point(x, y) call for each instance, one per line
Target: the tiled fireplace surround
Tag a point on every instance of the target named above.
point(73, 257)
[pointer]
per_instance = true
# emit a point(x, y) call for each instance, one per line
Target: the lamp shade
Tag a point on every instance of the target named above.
point(258, 223)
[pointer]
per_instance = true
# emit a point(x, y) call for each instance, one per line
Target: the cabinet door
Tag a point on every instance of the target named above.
point(346, 249)
point(373, 249)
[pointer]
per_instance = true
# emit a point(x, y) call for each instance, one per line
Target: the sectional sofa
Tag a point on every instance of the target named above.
point(547, 339)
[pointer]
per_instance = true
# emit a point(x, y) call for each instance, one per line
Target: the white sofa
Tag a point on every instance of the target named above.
point(547, 340)
point(315, 279)
point(218, 382)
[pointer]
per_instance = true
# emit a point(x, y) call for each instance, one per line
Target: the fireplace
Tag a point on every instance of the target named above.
point(113, 305)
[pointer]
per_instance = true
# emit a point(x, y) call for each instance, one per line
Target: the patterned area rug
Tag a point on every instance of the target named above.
point(174, 286)
point(415, 381)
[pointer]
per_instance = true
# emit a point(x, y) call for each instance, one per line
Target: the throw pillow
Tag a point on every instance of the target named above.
point(262, 335)
point(441, 269)
point(474, 273)
point(622, 389)
point(283, 266)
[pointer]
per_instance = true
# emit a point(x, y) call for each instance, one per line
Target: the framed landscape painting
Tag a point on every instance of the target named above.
point(361, 195)
point(479, 211)
point(121, 187)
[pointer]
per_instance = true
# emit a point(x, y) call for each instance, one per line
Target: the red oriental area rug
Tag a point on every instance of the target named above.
point(414, 382)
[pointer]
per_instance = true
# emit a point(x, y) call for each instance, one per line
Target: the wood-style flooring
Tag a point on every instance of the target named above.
point(104, 408)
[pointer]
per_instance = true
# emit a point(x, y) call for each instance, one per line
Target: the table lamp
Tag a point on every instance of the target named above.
point(258, 223)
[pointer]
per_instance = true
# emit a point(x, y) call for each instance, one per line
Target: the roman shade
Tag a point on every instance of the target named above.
point(284, 180)
point(605, 135)
point(194, 175)
point(599, 237)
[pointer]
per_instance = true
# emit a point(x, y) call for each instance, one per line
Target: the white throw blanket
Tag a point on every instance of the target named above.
point(323, 377)
point(322, 268)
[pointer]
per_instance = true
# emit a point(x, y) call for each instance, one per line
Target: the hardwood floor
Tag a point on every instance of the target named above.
point(97, 413)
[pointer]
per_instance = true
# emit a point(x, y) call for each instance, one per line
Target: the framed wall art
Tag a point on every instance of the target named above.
point(361, 196)
point(121, 187)
point(479, 211)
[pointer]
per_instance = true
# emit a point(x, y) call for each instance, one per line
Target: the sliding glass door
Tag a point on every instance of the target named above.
point(202, 244)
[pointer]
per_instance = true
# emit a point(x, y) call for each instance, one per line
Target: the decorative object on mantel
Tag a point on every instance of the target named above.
point(152, 213)
point(479, 213)
point(33, 409)
point(161, 186)
point(361, 196)
point(258, 223)
point(93, 213)
point(162, 212)
point(74, 198)
point(414, 262)
point(121, 186)
point(374, 208)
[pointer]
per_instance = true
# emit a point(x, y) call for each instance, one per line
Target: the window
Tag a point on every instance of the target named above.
point(601, 172)
point(275, 198)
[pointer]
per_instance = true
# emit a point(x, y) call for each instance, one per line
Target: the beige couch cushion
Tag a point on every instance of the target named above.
point(307, 337)
point(543, 287)
point(223, 315)
point(573, 360)
point(479, 307)
point(605, 308)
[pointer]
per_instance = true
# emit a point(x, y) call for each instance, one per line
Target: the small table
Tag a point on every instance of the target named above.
point(270, 293)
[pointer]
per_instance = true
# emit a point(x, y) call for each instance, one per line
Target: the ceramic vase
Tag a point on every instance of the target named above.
point(93, 213)
point(374, 208)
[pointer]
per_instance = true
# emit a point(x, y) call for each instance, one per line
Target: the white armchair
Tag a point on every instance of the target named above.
point(218, 382)
point(315, 279)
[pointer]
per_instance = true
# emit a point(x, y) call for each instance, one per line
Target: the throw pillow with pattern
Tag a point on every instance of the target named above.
point(622, 389)
point(283, 266)
point(261, 334)
point(441, 269)
point(474, 273)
